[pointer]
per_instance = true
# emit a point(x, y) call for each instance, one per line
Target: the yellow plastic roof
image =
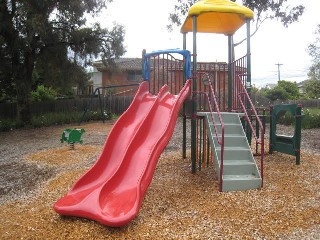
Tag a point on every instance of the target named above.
point(217, 16)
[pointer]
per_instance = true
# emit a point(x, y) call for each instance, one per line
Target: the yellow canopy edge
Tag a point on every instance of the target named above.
point(217, 16)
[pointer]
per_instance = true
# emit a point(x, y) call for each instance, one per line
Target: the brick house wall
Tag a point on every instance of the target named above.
point(129, 71)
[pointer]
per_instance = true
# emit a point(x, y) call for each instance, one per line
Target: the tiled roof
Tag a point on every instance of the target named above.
point(122, 63)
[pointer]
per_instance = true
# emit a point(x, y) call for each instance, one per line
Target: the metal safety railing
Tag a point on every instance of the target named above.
point(211, 99)
point(249, 110)
point(170, 67)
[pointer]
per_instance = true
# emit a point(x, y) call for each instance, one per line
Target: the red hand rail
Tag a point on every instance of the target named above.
point(219, 140)
point(261, 141)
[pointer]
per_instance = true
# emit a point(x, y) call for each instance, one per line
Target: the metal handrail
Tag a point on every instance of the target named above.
point(261, 141)
point(220, 140)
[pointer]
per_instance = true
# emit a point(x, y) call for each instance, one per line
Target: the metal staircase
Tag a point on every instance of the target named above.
point(239, 169)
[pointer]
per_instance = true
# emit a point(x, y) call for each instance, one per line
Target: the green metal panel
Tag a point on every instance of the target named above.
point(286, 144)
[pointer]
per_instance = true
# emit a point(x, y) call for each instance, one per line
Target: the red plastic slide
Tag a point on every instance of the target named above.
point(112, 190)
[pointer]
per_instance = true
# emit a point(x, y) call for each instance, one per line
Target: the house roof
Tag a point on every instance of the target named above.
point(122, 64)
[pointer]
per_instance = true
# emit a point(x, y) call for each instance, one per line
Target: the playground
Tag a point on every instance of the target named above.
point(177, 205)
point(188, 159)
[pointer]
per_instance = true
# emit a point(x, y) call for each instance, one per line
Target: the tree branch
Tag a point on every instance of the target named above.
point(258, 25)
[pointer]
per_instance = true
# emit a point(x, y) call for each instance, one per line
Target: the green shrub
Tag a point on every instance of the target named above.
point(50, 119)
point(96, 116)
point(6, 125)
point(286, 119)
point(311, 118)
point(43, 93)
point(9, 125)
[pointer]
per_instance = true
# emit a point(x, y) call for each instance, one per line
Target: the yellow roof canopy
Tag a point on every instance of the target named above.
point(217, 16)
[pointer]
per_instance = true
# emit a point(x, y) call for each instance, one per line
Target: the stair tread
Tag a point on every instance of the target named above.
point(233, 148)
point(233, 135)
point(240, 171)
point(240, 177)
point(237, 162)
point(244, 149)
point(226, 124)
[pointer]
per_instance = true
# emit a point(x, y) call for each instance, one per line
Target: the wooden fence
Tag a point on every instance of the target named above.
point(114, 104)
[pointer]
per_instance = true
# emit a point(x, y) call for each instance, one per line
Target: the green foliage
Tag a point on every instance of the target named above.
point(50, 119)
point(277, 93)
point(43, 93)
point(7, 125)
point(311, 118)
point(49, 43)
point(314, 48)
point(94, 115)
point(291, 88)
point(284, 90)
point(254, 89)
point(286, 119)
point(312, 88)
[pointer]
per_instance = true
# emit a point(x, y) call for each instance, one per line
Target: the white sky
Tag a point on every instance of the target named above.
point(145, 24)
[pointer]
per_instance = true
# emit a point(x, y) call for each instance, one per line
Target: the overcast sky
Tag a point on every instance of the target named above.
point(145, 24)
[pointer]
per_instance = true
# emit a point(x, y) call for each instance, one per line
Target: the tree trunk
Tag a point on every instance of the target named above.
point(23, 101)
point(24, 85)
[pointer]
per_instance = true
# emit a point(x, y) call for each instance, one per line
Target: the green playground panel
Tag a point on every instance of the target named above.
point(282, 143)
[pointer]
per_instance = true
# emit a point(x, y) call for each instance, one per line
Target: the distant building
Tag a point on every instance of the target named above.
point(129, 71)
point(270, 85)
point(301, 86)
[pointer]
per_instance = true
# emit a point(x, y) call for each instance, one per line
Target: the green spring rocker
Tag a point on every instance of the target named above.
point(72, 136)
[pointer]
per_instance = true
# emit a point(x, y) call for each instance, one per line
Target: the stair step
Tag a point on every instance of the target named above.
point(239, 167)
point(234, 129)
point(227, 117)
point(240, 171)
point(233, 148)
point(239, 177)
point(237, 162)
point(233, 141)
point(240, 182)
point(239, 154)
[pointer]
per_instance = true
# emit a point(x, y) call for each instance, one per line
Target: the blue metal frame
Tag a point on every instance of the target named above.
point(146, 63)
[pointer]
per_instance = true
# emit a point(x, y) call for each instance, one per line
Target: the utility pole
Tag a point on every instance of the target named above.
point(279, 64)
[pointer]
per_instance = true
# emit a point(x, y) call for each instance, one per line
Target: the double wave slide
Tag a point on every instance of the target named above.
point(112, 190)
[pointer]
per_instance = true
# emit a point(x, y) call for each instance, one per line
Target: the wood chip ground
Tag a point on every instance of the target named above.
point(178, 204)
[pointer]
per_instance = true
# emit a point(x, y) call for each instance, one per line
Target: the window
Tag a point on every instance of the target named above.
point(134, 76)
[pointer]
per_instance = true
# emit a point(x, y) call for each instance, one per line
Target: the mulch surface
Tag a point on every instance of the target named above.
point(177, 205)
